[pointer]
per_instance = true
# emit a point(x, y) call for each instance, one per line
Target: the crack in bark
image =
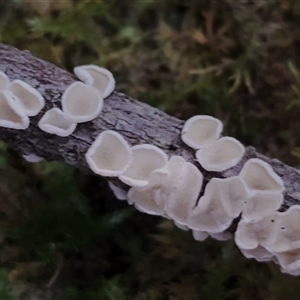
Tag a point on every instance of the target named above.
point(137, 122)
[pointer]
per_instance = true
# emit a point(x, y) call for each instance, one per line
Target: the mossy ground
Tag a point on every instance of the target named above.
point(235, 60)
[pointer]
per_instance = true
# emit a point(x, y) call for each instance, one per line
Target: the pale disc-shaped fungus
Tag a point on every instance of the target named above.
point(145, 159)
point(249, 235)
point(118, 192)
point(146, 199)
point(288, 236)
point(219, 205)
point(28, 97)
point(54, 121)
point(259, 176)
point(172, 190)
point(259, 253)
point(11, 114)
point(261, 205)
point(221, 154)
point(109, 155)
point(32, 158)
point(222, 236)
point(199, 235)
point(169, 186)
point(99, 78)
point(200, 131)
point(180, 226)
point(145, 202)
point(4, 81)
point(209, 215)
point(289, 261)
point(81, 103)
point(233, 195)
point(184, 188)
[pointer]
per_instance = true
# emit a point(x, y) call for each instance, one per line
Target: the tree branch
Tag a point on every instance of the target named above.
point(137, 122)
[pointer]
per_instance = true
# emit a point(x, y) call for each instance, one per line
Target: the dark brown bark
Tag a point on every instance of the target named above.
point(137, 122)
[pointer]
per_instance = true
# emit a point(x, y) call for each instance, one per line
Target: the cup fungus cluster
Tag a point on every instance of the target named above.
point(170, 186)
point(18, 102)
point(81, 102)
point(202, 133)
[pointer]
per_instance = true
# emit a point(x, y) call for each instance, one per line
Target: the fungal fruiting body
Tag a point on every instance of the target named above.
point(222, 236)
point(199, 235)
point(4, 81)
point(181, 190)
point(263, 233)
point(109, 155)
point(180, 226)
point(221, 203)
point(18, 102)
point(28, 97)
point(172, 190)
point(119, 193)
point(99, 78)
point(32, 158)
point(255, 238)
point(11, 114)
point(275, 238)
point(81, 103)
point(200, 131)
point(289, 261)
point(259, 253)
point(288, 236)
point(147, 198)
point(145, 159)
point(259, 176)
point(233, 194)
point(221, 154)
point(286, 246)
point(261, 204)
point(151, 198)
point(250, 235)
point(54, 121)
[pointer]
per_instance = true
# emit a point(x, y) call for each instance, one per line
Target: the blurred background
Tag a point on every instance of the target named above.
point(63, 235)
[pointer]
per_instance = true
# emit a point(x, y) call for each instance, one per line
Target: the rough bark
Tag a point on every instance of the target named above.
point(136, 121)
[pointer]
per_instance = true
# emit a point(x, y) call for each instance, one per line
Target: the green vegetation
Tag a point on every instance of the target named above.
point(63, 231)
